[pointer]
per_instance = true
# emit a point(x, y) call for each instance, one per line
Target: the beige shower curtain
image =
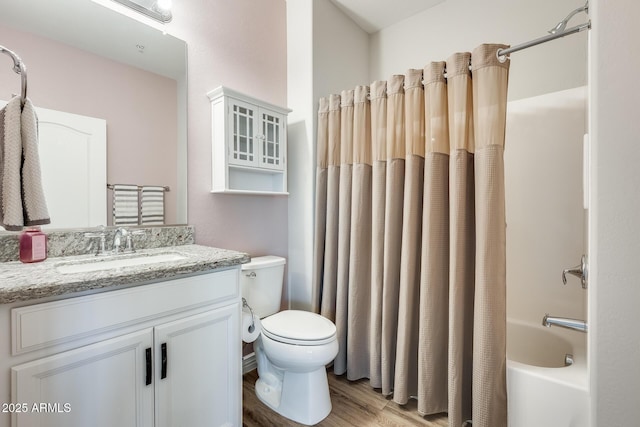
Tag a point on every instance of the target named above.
point(410, 235)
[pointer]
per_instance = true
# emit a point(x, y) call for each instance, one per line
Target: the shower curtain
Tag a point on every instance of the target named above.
point(409, 251)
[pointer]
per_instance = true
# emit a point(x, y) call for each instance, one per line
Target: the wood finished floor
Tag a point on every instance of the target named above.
point(354, 403)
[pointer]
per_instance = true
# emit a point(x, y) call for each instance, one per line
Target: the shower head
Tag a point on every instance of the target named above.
point(562, 25)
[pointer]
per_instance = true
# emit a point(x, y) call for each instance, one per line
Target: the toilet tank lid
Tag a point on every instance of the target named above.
point(263, 262)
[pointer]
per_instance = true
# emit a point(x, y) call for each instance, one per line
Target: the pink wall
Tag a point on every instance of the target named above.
point(240, 44)
point(141, 129)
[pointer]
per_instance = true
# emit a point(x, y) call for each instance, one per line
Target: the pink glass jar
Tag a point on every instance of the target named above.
point(33, 245)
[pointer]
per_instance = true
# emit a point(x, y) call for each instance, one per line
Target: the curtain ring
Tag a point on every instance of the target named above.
point(501, 58)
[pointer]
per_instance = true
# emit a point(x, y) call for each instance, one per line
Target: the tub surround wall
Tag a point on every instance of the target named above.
point(545, 215)
point(73, 242)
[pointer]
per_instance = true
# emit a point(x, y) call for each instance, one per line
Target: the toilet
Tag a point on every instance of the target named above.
point(292, 348)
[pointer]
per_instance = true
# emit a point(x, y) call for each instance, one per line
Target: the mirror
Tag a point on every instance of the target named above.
point(85, 59)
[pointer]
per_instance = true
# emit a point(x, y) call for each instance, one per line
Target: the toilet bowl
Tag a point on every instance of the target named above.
point(291, 350)
point(292, 379)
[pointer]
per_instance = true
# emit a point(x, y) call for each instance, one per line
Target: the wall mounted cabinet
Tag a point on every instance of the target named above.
point(249, 153)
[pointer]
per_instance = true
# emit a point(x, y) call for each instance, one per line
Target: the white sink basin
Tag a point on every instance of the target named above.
point(99, 264)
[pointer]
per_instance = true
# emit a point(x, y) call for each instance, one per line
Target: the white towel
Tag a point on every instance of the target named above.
point(22, 200)
point(125, 204)
point(152, 205)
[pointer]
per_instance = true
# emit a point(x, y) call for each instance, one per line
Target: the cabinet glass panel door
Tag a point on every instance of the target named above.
point(271, 140)
point(243, 145)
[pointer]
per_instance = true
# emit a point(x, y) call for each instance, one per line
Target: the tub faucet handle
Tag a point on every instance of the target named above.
point(579, 271)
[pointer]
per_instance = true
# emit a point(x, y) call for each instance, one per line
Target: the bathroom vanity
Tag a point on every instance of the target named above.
point(153, 344)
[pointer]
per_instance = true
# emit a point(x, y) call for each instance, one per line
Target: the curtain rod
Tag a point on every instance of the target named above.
point(502, 53)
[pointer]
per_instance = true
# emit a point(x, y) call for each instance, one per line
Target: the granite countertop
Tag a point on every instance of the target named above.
point(22, 282)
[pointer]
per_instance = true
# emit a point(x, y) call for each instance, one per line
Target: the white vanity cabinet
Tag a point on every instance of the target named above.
point(163, 354)
point(249, 154)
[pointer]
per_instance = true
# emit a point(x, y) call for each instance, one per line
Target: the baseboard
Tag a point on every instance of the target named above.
point(249, 363)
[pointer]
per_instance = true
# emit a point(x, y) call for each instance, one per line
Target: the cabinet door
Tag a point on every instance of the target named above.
point(272, 140)
point(102, 385)
point(199, 384)
point(243, 147)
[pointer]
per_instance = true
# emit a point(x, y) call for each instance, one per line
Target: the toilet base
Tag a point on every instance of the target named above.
point(301, 397)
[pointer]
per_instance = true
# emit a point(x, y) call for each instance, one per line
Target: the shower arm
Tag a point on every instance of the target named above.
point(556, 32)
point(562, 25)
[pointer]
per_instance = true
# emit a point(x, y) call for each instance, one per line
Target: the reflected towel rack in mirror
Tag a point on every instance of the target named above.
point(166, 187)
point(19, 68)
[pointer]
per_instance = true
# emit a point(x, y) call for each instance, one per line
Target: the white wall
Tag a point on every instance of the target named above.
point(340, 51)
point(300, 151)
point(327, 52)
point(614, 232)
point(461, 25)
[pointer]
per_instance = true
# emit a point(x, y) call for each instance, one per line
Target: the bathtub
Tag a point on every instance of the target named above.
point(542, 391)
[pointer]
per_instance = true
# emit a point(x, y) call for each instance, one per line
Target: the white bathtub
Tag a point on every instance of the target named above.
point(542, 391)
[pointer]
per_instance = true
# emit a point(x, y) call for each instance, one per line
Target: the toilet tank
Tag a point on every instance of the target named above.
point(261, 284)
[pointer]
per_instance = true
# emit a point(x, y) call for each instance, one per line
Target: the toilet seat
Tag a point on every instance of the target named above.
point(299, 328)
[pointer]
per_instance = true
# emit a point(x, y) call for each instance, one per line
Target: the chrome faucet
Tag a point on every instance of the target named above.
point(563, 322)
point(118, 245)
point(117, 239)
point(128, 236)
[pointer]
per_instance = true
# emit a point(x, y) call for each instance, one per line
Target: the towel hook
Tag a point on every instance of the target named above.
point(18, 68)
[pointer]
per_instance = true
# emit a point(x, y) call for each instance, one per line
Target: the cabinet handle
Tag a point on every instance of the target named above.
point(149, 371)
point(163, 370)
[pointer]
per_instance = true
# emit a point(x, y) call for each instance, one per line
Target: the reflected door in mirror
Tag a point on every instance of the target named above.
point(73, 157)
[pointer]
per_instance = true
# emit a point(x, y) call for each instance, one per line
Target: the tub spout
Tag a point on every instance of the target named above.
point(576, 325)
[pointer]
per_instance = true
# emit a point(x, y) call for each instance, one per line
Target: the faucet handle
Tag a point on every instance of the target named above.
point(129, 237)
point(579, 271)
point(101, 231)
point(101, 234)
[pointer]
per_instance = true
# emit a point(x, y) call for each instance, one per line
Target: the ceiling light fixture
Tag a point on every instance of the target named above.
point(164, 4)
point(160, 10)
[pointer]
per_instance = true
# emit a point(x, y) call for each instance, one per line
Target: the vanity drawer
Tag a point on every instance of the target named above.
point(49, 324)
